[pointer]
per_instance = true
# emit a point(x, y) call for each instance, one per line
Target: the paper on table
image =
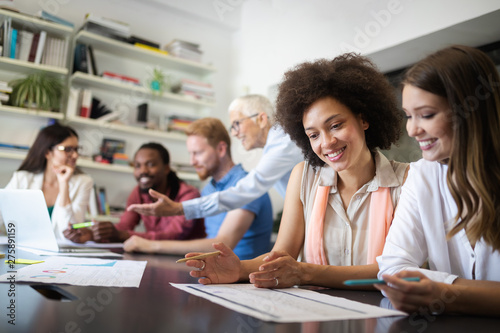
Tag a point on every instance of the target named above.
point(72, 254)
point(82, 272)
point(92, 244)
point(285, 305)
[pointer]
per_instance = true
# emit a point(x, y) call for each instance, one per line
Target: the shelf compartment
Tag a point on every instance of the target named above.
point(85, 163)
point(26, 67)
point(127, 129)
point(38, 23)
point(130, 51)
point(92, 81)
point(31, 112)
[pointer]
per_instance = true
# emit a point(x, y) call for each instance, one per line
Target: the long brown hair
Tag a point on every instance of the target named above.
point(47, 138)
point(468, 79)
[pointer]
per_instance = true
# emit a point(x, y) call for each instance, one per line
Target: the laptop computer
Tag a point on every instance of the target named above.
point(25, 211)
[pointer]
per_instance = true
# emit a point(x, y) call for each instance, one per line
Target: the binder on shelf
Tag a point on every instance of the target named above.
point(34, 47)
point(91, 60)
point(7, 29)
point(40, 47)
point(81, 62)
point(73, 106)
point(86, 106)
point(25, 40)
point(13, 43)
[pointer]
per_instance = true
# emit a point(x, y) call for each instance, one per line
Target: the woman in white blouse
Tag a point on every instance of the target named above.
point(50, 166)
point(449, 211)
point(339, 112)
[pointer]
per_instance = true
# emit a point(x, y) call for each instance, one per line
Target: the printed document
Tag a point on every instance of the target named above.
point(285, 305)
point(82, 272)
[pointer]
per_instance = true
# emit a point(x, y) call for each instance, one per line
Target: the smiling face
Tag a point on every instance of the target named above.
point(249, 131)
point(202, 156)
point(429, 122)
point(57, 157)
point(149, 170)
point(336, 135)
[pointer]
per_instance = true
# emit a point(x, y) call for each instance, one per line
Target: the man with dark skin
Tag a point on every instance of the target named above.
point(152, 171)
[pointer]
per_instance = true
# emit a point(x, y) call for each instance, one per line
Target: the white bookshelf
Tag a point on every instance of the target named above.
point(7, 109)
point(26, 67)
point(92, 81)
point(126, 129)
point(132, 52)
point(33, 22)
point(85, 163)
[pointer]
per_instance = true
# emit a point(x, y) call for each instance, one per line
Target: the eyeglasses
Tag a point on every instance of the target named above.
point(69, 149)
point(235, 126)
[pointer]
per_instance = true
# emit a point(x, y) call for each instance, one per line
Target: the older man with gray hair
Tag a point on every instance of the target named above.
point(251, 123)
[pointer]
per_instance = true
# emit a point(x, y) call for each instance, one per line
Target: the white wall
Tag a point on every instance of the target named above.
point(274, 35)
point(278, 34)
point(154, 21)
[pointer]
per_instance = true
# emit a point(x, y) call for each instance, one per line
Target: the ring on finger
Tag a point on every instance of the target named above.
point(277, 282)
point(202, 267)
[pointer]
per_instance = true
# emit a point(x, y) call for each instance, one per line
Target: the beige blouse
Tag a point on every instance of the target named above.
point(346, 232)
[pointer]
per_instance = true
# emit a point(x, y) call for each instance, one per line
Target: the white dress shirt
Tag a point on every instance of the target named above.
point(425, 214)
point(279, 156)
point(80, 186)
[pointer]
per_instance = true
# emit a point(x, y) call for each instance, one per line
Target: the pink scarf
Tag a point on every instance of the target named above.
point(380, 219)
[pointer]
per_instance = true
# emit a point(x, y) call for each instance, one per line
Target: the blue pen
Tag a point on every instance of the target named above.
point(364, 282)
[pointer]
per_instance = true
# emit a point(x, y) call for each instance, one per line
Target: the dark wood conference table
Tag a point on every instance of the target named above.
point(156, 306)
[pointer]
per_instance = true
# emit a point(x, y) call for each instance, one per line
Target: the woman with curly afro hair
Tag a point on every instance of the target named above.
point(340, 201)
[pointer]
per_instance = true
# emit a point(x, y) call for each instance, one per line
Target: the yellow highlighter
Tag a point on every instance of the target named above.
point(82, 225)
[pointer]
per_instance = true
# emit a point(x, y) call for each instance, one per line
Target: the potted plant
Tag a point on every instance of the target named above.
point(159, 81)
point(37, 91)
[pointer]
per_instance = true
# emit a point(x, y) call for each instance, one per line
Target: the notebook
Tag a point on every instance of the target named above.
point(25, 212)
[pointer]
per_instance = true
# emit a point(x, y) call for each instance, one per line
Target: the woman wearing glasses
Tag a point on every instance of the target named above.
point(51, 167)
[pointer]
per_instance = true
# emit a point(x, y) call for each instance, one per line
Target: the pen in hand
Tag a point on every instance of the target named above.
point(201, 256)
point(365, 282)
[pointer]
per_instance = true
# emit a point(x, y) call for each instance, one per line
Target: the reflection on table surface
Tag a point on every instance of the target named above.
point(157, 306)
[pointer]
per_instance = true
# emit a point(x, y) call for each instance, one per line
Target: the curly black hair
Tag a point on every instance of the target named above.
point(351, 79)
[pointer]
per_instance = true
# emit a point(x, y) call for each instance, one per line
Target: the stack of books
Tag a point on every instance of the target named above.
point(121, 78)
point(107, 27)
point(179, 123)
point(196, 90)
point(185, 50)
point(5, 91)
point(121, 159)
point(53, 18)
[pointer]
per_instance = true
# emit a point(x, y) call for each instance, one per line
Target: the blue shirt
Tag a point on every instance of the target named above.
point(279, 156)
point(256, 240)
